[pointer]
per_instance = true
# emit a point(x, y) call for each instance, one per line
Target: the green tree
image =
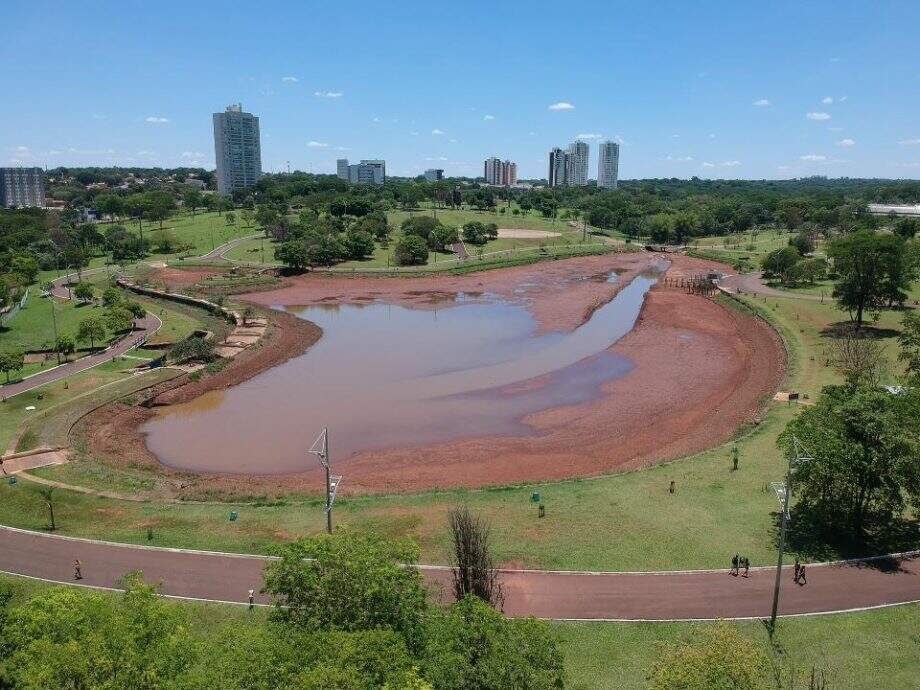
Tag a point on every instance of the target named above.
point(358, 244)
point(110, 205)
point(325, 249)
point(26, 267)
point(718, 658)
point(411, 250)
point(192, 349)
point(907, 227)
point(84, 292)
point(65, 345)
point(10, 361)
point(92, 328)
point(111, 296)
point(780, 263)
point(866, 457)
point(349, 582)
point(293, 254)
point(472, 646)
point(803, 243)
point(421, 226)
point(909, 343)
point(442, 238)
point(475, 233)
point(230, 217)
point(136, 308)
point(873, 272)
point(192, 200)
point(247, 216)
point(118, 319)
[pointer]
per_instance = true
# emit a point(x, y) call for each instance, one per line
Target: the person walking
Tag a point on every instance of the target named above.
point(802, 580)
point(746, 564)
point(795, 570)
point(252, 599)
point(734, 570)
point(77, 570)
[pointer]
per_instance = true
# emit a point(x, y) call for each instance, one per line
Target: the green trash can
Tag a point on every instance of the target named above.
point(13, 481)
point(535, 497)
point(234, 515)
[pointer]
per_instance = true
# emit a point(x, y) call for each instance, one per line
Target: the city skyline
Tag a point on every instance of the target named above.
point(841, 106)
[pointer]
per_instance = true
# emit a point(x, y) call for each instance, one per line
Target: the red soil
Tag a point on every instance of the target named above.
point(175, 279)
point(701, 370)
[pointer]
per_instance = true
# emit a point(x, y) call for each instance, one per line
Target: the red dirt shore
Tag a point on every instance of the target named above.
point(701, 370)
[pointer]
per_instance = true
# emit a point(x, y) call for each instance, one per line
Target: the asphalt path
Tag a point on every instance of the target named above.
point(560, 595)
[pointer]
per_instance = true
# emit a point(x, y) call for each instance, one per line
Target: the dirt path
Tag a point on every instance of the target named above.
point(690, 595)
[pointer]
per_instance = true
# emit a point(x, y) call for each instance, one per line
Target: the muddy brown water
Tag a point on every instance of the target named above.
point(386, 376)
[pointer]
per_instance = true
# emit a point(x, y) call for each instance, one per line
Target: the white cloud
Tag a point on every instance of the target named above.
point(712, 136)
point(317, 144)
point(562, 105)
point(910, 142)
point(590, 136)
point(22, 149)
point(827, 100)
point(783, 167)
point(819, 117)
point(835, 129)
point(327, 94)
point(415, 134)
point(191, 155)
point(762, 103)
point(156, 120)
point(909, 165)
point(707, 164)
point(812, 157)
point(436, 158)
point(488, 117)
point(846, 142)
point(292, 80)
point(99, 116)
point(731, 164)
point(679, 159)
point(437, 131)
point(842, 98)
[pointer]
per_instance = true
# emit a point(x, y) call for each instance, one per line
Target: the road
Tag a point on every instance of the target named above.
point(560, 595)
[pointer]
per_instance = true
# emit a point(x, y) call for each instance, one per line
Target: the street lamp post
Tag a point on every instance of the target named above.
point(783, 491)
point(320, 449)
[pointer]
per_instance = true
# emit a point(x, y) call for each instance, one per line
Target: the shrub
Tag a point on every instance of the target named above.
point(411, 250)
point(192, 349)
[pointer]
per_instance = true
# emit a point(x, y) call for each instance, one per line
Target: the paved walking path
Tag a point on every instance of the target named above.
point(144, 328)
point(562, 595)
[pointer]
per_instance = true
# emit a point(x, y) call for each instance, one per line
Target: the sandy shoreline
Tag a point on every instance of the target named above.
point(701, 370)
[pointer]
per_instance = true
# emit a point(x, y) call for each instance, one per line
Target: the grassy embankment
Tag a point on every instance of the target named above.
point(855, 649)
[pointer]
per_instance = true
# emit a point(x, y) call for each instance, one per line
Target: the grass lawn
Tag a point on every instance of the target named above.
point(33, 328)
point(854, 649)
point(201, 233)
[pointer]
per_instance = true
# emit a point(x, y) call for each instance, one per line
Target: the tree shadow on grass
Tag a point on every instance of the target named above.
point(847, 329)
point(811, 538)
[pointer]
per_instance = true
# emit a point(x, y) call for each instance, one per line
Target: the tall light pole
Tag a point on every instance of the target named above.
point(797, 456)
point(320, 449)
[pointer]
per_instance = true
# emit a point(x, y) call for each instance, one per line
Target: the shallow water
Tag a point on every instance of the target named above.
point(387, 376)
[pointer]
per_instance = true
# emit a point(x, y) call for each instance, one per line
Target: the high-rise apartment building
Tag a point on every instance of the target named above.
point(500, 173)
point(434, 174)
point(608, 164)
point(372, 171)
point(237, 150)
point(577, 173)
point(570, 167)
point(22, 187)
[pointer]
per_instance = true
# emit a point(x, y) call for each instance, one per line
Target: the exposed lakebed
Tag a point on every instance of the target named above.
point(385, 376)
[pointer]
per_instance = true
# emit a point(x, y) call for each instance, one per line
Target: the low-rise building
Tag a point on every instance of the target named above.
point(434, 174)
point(371, 171)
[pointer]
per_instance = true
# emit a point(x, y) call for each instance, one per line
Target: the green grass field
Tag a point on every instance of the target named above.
point(858, 651)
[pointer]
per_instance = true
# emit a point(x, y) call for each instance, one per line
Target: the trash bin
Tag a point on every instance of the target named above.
point(234, 515)
point(535, 497)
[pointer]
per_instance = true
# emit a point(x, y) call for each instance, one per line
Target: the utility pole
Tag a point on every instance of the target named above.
point(783, 491)
point(54, 324)
point(320, 449)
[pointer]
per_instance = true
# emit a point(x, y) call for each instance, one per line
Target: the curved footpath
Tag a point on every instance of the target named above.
point(559, 595)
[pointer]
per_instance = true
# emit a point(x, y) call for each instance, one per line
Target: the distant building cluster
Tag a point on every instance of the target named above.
point(569, 167)
point(366, 172)
point(500, 173)
point(434, 174)
point(22, 187)
point(237, 149)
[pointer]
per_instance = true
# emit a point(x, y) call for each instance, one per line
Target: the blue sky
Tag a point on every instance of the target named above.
point(728, 89)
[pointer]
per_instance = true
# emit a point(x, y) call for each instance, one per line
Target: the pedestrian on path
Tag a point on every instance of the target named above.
point(795, 571)
point(77, 570)
point(734, 570)
point(252, 599)
point(746, 564)
point(802, 580)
